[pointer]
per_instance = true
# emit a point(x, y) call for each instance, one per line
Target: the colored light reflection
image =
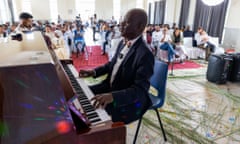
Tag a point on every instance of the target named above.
point(51, 108)
point(3, 129)
point(43, 77)
point(138, 104)
point(38, 99)
point(21, 83)
point(27, 106)
point(39, 119)
point(63, 126)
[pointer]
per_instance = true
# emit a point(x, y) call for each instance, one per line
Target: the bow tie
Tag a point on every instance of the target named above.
point(128, 43)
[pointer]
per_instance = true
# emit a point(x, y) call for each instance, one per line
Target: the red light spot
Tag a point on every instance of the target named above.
point(63, 127)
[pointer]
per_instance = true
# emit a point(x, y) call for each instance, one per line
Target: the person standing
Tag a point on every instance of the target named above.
point(94, 26)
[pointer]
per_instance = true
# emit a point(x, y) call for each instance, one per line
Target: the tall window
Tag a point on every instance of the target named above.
point(116, 9)
point(26, 6)
point(15, 10)
point(85, 8)
point(139, 4)
point(53, 10)
point(3, 11)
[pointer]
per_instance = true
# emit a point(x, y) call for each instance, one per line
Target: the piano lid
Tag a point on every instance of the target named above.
point(30, 51)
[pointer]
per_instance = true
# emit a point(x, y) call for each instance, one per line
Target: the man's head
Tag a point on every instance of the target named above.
point(200, 30)
point(48, 28)
point(133, 23)
point(13, 27)
point(26, 19)
point(188, 28)
point(177, 31)
point(157, 28)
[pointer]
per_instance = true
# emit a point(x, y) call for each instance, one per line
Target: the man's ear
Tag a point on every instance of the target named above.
point(141, 26)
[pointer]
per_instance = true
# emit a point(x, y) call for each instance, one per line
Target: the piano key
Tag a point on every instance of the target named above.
point(95, 120)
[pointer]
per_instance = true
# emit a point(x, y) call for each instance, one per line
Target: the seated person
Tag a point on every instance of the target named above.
point(165, 44)
point(57, 40)
point(79, 38)
point(107, 37)
point(149, 34)
point(156, 38)
point(202, 39)
point(2, 32)
point(188, 33)
point(177, 42)
point(124, 93)
point(49, 32)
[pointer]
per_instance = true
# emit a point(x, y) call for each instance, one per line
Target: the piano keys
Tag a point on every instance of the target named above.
point(35, 89)
point(85, 95)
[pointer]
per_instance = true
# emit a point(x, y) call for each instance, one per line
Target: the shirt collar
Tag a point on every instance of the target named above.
point(133, 40)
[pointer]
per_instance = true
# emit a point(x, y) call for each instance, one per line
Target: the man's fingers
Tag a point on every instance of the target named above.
point(104, 105)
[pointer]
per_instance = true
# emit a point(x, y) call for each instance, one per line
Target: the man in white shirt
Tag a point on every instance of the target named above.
point(202, 39)
point(124, 93)
point(156, 37)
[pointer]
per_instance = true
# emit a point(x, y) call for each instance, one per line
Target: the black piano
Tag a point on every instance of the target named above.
point(42, 100)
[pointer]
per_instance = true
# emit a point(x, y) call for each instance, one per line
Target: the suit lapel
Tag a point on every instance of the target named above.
point(129, 54)
point(132, 50)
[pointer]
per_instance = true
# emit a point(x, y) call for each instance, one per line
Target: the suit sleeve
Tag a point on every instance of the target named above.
point(139, 88)
point(105, 69)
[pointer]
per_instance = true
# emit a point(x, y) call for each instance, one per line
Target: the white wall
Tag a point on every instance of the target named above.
point(104, 9)
point(127, 5)
point(232, 27)
point(66, 9)
point(41, 11)
point(18, 7)
point(233, 14)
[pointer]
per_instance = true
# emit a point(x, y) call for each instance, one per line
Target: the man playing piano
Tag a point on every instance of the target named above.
point(124, 93)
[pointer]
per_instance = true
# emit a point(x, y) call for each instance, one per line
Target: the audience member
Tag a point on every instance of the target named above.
point(79, 40)
point(177, 42)
point(188, 32)
point(202, 40)
point(2, 32)
point(156, 38)
point(165, 44)
point(94, 25)
point(107, 38)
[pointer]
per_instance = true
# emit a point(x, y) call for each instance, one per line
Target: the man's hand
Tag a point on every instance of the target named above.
point(102, 100)
point(86, 73)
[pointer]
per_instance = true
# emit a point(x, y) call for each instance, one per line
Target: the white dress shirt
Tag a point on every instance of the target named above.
point(121, 57)
point(166, 39)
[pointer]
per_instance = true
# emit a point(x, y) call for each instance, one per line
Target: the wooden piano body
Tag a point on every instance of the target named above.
point(34, 90)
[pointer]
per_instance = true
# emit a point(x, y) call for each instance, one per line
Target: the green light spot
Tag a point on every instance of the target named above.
point(114, 104)
point(39, 119)
point(3, 129)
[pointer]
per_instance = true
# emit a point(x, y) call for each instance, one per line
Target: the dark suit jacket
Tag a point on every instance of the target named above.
point(131, 83)
point(188, 33)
